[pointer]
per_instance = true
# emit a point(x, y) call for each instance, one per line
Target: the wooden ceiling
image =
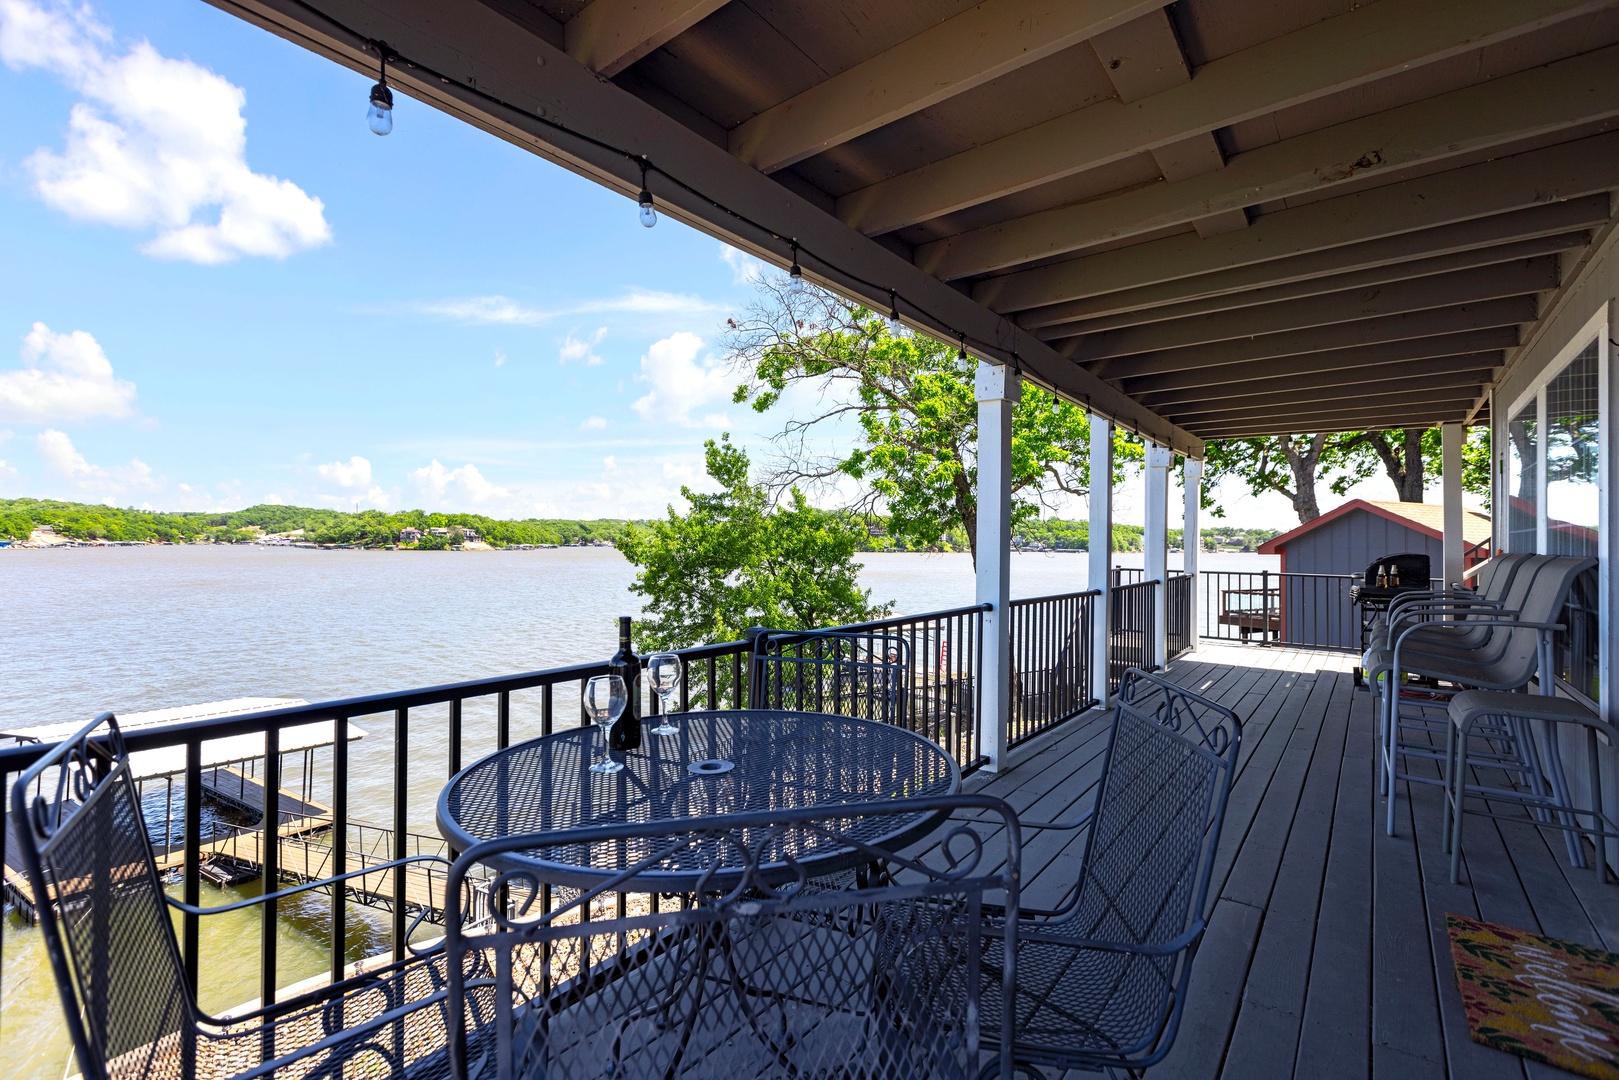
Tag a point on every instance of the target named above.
point(1212, 219)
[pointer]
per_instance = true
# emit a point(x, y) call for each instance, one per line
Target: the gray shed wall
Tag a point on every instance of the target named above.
point(1317, 611)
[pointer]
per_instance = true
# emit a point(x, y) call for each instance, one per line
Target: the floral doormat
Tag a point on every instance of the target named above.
point(1538, 997)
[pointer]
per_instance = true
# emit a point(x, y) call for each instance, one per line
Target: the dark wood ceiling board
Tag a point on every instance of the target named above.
point(1422, 419)
point(1211, 29)
point(1561, 172)
point(1375, 276)
point(1516, 278)
point(1141, 170)
point(1354, 359)
point(1509, 311)
point(1361, 403)
point(1548, 219)
point(731, 66)
point(1048, 88)
point(841, 34)
point(1545, 45)
point(1465, 370)
point(1346, 417)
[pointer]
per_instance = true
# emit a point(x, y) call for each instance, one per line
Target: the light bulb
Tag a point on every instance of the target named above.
point(380, 116)
point(795, 279)
point(649, 215)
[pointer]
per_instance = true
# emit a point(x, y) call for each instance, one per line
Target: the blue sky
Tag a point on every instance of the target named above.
point(220, 288)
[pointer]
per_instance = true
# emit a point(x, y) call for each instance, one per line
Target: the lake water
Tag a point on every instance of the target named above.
point(84, 630)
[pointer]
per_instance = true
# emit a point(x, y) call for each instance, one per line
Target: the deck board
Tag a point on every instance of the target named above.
point(1326, 956)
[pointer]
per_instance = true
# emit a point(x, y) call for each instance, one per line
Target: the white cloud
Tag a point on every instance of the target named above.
point(500, 358)
point(63, 377)
point(681, 383)
point(64, 461)
point(582, 350)
point(593, 423)
point(351, 475)
point(504, 311)
point(745, 269)
point(156, 144)
point(447, 488)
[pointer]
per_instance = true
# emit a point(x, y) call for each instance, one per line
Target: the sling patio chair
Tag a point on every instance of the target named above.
point(1100, 983)
point(703, 950)
point(109, 935)
point(1493, 583)
point(1515, 649)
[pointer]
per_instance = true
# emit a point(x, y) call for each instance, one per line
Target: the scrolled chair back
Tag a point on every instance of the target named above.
point(704, 948)
point(101, 909)
point(850, 673)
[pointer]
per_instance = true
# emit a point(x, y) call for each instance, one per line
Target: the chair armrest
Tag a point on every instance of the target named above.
point(1452, 603)
point(1176, 944)
point(1542, 628)
point(1080, 821)
point(251, 901)
point(348, 1034)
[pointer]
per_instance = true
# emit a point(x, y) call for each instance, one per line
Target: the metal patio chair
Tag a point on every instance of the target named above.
point(107, 926)
point(866, 675)
point(703, 950)
point(1101, 980)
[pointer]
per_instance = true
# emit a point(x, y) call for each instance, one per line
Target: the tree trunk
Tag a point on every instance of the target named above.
point(1303, 462)
point(1402, 461)
point(967, 507)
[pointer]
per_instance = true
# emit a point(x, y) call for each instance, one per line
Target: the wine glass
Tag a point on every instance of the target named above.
point(663, 672)
point(605, 698)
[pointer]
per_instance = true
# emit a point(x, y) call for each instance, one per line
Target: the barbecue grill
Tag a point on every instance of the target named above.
point(1386, 579)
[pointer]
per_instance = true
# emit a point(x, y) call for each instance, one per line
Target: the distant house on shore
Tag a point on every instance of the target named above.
point(409, 535)
point(438, 532)
point(470, 534)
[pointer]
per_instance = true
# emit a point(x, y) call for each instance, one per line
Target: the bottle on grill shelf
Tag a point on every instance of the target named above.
point(1394, 575)
point(1382, 576)
point(625, 733)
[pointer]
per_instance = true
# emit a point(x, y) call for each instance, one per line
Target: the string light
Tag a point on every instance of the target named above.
point(962, 355)
point(380, 116)
point(649, 216)
point(795, 274)
point(381, 119)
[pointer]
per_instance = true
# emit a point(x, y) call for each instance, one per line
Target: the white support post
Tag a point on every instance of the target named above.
point(1101, 551)
point(1450, 451)
point(997, 389)
point(1156, 542)
point(1192, 542)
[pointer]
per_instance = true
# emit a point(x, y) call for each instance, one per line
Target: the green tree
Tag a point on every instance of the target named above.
point(1289, 465)
point(733, 561)
point(910, 398)
point(1408, 457)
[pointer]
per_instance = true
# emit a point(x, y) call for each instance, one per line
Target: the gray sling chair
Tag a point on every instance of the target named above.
point(1492, 583)
point(700, 949)
point(1516, 649)
point(108, 932)
point(1101, 981)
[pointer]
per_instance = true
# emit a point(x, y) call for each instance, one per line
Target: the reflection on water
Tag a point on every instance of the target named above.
point(142, 628)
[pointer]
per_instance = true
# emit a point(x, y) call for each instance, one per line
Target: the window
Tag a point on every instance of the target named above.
point(1522, 512)
point(1571, 458)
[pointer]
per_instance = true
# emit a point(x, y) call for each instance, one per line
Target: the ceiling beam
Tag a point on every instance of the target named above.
point(1565, 171)
point(1423, 415)
point(1332, 55)
point(1421, 294)
point(1498, 112)
point(1363, 404)
point(1584, 213)
point(980, 44)
point(1509, 311)
point(610, 35)
point(1356, 358)
point(1359, 279)
point(1469, 370)
point(525, 86)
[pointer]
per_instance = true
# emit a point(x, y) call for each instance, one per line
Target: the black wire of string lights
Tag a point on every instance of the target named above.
point(647, 204)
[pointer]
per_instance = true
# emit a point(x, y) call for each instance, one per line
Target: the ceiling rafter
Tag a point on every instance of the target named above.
point(1508, 311)
point(1425, 414)
point(1470, 368)
point(610, 35)
point(1363, 404)
point(1565, 171)
point(1390, 252)
point(980, 44)
point(1421, 294)
point(1332, 55)
point(1499, 112)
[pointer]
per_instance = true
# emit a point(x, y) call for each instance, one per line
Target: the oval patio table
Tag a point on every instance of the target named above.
point(721, 762)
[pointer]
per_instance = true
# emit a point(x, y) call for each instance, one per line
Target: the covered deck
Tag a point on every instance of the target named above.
point(1326, 955)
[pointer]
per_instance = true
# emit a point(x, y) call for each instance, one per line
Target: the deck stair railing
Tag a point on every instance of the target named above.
point(1051, 672)
point(1131, 630)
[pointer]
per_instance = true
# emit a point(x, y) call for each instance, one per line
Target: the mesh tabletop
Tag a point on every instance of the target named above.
point(722, 762)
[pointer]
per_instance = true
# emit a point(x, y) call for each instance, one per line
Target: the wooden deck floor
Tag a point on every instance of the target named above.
point(1326, 956)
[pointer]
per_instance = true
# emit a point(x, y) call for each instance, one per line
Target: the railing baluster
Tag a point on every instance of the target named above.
point(401, 778)
point(192, 874)
point(340, 845)
point(270, 862)
point(503, 717)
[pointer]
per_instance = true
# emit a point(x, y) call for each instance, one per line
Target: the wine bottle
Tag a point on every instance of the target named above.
point(625, 733)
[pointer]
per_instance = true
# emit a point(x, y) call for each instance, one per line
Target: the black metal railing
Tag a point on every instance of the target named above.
point(1131, 629)
point(1268, 607)
point(1051, 672)
point(1179, 633)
